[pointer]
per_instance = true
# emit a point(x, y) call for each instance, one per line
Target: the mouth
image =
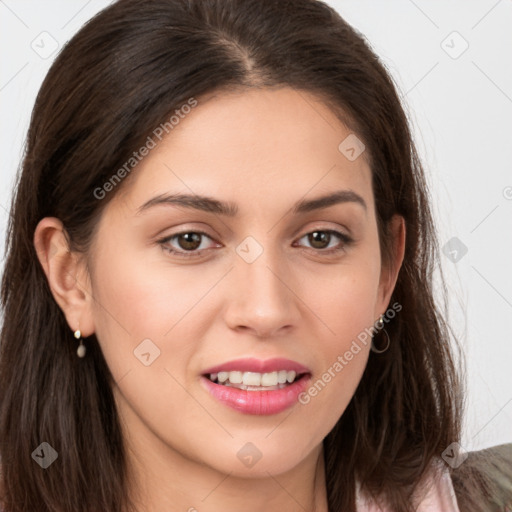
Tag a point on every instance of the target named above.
point(253, 386)
point(254, 381)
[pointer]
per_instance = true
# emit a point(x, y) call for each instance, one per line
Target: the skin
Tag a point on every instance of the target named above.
point(263, 150)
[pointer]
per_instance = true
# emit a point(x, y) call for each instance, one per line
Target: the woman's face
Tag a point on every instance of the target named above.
point(282, 277)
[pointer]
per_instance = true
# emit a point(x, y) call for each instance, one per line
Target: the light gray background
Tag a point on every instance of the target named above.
point(460, 105)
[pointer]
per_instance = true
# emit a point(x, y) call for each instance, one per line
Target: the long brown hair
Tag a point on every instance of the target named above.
point(118, 78)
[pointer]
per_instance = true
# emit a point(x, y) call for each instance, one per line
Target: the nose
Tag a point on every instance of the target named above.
point(263, 299)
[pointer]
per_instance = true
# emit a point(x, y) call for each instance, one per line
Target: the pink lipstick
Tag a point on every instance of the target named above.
point(255, 386)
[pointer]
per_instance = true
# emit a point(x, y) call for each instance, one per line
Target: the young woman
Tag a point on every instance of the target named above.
point(218, 285)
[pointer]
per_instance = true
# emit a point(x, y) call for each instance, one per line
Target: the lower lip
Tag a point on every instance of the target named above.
point(257, 402)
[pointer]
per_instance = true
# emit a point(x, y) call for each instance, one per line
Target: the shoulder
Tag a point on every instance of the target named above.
point(483, 482)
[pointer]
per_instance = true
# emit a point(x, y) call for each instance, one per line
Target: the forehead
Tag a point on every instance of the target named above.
point(260, 148)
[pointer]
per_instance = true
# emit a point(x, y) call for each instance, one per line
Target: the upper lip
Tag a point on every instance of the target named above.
point(258, 366)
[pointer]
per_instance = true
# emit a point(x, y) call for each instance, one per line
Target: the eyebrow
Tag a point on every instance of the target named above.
point(229, 209)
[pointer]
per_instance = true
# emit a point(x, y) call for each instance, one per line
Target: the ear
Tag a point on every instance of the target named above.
point(67, 274)
point(389, 272)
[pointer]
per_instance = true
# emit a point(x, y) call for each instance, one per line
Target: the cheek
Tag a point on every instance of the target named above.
point(342, 356)
point(344, 302)
point(135, 301)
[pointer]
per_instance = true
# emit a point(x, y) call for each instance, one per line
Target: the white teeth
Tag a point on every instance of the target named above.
point(251, 379)
point(222, 376)
point(269, 379)
point(254, 379)
point(235, 377)
point(281, 376)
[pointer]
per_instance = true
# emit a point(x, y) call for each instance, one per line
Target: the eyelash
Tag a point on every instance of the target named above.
point(346, 241)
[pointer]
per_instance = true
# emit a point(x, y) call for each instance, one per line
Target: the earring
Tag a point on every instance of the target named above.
point(81, 348)
point(380, 325)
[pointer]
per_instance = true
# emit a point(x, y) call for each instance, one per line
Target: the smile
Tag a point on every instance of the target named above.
point(271, 390)
point(253, 381)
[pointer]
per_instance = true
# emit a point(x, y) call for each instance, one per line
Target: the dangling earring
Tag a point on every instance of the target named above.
point(380, 325)
point(81, 348)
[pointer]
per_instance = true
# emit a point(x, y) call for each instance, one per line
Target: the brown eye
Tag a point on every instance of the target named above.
point(189, 241)
point(319, 239)
point(186, 243)
point(322, 240)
